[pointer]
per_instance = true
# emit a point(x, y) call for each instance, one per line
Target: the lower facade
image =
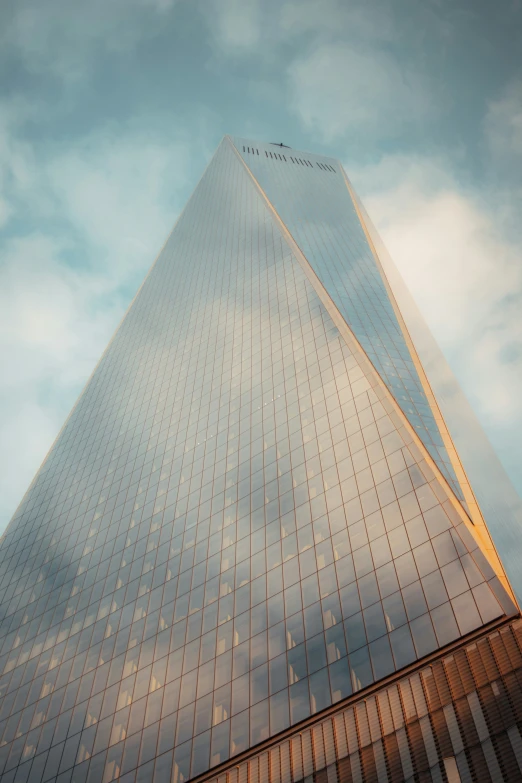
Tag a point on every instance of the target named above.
point(454, 718)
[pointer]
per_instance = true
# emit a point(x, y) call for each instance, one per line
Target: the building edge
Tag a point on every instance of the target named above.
point(403, 423)
point(105, 351)
point(322, 741)
point(473, 517)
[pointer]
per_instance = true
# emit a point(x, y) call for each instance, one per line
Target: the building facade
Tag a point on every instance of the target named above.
point(256, 550)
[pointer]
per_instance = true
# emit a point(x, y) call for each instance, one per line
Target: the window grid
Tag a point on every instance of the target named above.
point(230, 533)
point(321, 217)
point(418, 728)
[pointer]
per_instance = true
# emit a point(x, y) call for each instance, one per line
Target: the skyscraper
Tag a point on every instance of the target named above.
point(256, 550)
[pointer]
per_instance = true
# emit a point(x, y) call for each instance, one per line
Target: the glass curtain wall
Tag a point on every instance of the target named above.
point(233, 529)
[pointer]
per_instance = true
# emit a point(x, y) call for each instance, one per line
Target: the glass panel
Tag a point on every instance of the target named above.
point(381, 657)
point(497, 498)
point(279, 712)
point(444, 623)
point(423, 635)
point(319, 691)
point(230, 513)
point(361, 669)
point(339, 253)
point(299, 701)
point(402, 646)
point(340, 680)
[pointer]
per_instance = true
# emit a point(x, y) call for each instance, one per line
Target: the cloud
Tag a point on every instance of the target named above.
point(118, 191)
point(503, 125)
point(17, 162)
point(340, 88)
point(51, 334)
point(114, 188)
point(5, 212)
point(333, 19)
point(463, 268)
point(345, 67)
point(235, 24)
point(255, 29)
point(456, 254)
point(84, 226)
point(65, 39)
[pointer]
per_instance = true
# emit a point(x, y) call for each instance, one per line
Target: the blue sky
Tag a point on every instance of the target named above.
point(110, 111)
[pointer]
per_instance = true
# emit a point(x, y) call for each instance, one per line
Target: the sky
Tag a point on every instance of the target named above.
point(109, 113)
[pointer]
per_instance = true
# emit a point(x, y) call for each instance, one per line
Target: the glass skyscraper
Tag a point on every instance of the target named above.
point(270, 542)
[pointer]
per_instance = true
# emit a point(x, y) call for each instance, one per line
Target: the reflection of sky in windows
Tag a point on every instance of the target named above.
point(390, 730)
point(317, 209)
point(499, 502)
point(229, 534)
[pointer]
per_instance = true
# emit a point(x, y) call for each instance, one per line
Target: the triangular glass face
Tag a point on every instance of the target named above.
point(232, 530)
point(310, 195)
point(499, 505)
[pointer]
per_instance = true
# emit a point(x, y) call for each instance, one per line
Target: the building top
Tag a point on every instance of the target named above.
point(281, 153)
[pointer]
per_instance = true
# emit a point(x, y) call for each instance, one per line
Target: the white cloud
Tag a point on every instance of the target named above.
point(103, 207)
point(235, 24)
point(457, 258)
point(50, 337)
point(117, 190)
point(340, 88)
point(464, 272)
point(336, 64)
